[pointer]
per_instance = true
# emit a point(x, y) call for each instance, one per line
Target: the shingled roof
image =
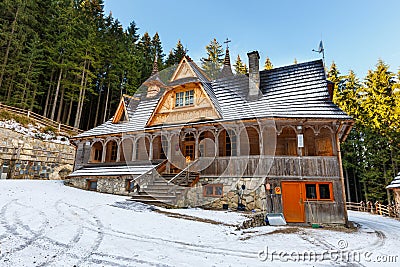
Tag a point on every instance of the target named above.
point(395, 183)
point(295, 91)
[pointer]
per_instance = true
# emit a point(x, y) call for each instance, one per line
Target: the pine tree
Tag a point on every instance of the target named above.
point(268, 65)
point(240, 67)
point(147, 56)
point(157, 50)
point(175, 55)
point(370, 154)
point(212, 64)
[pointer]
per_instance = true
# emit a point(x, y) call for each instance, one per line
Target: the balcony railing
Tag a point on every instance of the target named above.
point(280, 166)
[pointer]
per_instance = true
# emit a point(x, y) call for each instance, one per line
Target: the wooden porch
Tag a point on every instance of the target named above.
point(271, 166)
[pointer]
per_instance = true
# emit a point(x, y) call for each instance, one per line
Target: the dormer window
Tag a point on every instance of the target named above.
point(185, 98)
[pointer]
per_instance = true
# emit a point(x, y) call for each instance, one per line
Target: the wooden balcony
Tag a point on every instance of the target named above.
point(271, 166)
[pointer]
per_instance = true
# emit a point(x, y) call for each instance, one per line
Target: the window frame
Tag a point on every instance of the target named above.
point(114, 151)
point(89, 183)
point(318, 195)
point(184, 98)
point(128, 184)
point(98, 153)
point(214, 190)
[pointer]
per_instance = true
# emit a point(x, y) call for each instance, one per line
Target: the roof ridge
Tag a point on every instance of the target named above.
point(294, 65)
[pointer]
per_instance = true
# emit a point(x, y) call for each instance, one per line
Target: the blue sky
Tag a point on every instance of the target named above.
point(355, 33)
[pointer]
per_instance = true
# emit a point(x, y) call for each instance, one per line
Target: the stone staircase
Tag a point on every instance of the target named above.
point(162, 193)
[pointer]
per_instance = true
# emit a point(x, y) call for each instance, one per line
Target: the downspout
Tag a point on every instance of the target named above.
point(346, 217)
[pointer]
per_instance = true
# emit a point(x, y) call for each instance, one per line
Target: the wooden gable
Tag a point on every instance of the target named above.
point(121, 114)
point(184, 70)
point(201, 108)
point(167, 112)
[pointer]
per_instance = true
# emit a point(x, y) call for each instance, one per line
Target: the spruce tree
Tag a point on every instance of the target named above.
point(268, 65)
point(175, 55)
point(240, 67)
point(212, 64)
point(157, 50)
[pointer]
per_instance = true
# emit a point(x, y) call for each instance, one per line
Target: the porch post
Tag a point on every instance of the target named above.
point(103, 155)
point(196, 146)
point(119, 142)
point(216, 143)
point(261, 138)
point(169, 152)
point(151, 148)
point(238, 141)
point(134, 149)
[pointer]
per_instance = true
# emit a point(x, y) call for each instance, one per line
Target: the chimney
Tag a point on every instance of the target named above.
point(331, 88)
point(254, 75)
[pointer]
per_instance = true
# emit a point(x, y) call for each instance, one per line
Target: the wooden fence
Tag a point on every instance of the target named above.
point(61, 128)
point(375, 208)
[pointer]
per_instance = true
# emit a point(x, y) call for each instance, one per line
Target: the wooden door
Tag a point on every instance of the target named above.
point(292, 201)
point(189, 151)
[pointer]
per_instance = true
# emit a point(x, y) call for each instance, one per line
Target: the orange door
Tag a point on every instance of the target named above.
point(292, 201)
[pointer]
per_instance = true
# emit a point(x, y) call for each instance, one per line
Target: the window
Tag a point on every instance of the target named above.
point(311, 191)
point(92, 185)
point(189, 97)
point(319, 191)
point(114, 149)
point(179, 99)
point(97, 154)
point(201, 145)
point(164, 147)
point(324, 191)
point(184, 98)
point(128, 185)
point(189, 151)
point(213, 190)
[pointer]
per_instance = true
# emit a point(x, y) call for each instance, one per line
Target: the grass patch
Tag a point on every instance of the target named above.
point(49, 130)
point(21, 119)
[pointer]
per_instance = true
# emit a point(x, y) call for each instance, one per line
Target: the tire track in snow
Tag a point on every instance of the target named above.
point(98, 228)
point(326, 246)
point(37, 236)
point(180, 245)
point(13, 230)
point(75, 239)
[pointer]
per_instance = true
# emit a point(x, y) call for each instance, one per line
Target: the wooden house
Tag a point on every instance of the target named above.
point(395, 186)
point(269, 140)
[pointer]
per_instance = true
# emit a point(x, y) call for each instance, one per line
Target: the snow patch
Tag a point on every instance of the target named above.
point(34, 131)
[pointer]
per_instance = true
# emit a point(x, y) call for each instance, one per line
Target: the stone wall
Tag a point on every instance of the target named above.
point(25, 157)
point(110, 185)
point(253, 197)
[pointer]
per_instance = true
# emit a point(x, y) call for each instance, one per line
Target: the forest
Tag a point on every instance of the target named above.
point(69, 61)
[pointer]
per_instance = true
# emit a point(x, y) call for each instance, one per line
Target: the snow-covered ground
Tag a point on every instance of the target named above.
point(44, 223)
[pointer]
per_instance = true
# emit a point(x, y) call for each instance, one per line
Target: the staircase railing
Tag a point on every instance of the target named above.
point(182, 172)
point(143, 179)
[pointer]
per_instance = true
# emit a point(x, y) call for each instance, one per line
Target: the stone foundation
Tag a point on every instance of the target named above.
point(115, 185)
point(253, 197)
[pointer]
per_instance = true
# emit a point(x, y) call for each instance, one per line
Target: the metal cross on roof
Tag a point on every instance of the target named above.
point(227, 43)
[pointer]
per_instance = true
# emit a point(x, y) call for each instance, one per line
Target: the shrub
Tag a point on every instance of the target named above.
point(49, 130)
